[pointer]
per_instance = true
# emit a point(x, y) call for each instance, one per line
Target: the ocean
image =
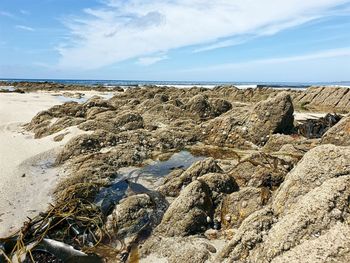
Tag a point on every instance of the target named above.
point(131, 83)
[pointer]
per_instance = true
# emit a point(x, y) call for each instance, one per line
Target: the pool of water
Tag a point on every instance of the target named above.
point(140, 180)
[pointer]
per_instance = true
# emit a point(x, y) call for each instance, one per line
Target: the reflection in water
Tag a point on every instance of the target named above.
point(109, 196)
point(180, 160)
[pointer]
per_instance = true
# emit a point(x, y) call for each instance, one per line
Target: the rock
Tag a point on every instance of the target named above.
point(176, 181)
point(279, 119)
point(219, 185)
point(177, 250)
point(261, 170)
point(250, 234)
point(310, 204)
point(338, 134)
point(201, 106)
point(136, 214)
point(309, 174)
point(308, 219)
point(332, 246)
point(325, 99)
point(187, 215)
point(239, 205)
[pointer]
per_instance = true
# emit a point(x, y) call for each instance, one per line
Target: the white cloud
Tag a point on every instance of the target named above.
point(24, 12)
point(146, 61)
point(25, 28)
point(324, 54)
point(122, 30)
point(7, 14)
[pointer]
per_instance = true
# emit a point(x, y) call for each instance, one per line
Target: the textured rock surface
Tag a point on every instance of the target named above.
point(177, 250)
point(325, 98)
point(332, 246)
point(311, 204)
point(274, 115)
point(239, 205)
point(339, 134)
point(188, 214)
point(309, 174)
point(175, 182)
point(135, 214)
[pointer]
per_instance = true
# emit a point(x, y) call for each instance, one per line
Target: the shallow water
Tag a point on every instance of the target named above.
point(64, 99)
point(180, 160)
point(8, 88)
point(110, 196)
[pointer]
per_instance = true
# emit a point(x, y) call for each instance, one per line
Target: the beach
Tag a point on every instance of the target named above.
point(27, 173)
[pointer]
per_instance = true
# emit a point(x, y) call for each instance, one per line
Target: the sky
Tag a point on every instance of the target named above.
point(182, 40)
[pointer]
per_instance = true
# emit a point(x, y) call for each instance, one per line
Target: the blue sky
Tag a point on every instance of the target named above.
point(222, 40)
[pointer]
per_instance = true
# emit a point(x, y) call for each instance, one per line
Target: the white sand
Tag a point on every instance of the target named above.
point(25, 195)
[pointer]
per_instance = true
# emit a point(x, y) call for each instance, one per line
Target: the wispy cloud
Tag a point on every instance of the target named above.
point(147, 61)
point(25, 28)
point(122, 30)
point(24, 12)
point(324, 54)
point(7, 14)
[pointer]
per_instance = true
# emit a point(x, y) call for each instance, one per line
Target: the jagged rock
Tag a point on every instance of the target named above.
point(338, 134)
point(315, 199)
point(176, 181)
point(188, 214)
point(274, 115)
point(317, 166)
point(241, 129)
point(309, 218)
point(251, 233)
point(239, 205)
point(325, 99)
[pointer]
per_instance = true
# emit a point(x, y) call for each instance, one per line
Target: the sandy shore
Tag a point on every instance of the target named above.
point(27, 177)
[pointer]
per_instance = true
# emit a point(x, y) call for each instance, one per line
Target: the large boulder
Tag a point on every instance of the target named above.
point(189, 213)
point(274, 115)
point(317, 166)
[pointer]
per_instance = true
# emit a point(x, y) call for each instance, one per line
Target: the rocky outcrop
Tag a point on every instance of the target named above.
point(324, 98)
point(338, 134)
point(242, 129)
point(203, 107)
point(309, 174)
point(311, 204)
